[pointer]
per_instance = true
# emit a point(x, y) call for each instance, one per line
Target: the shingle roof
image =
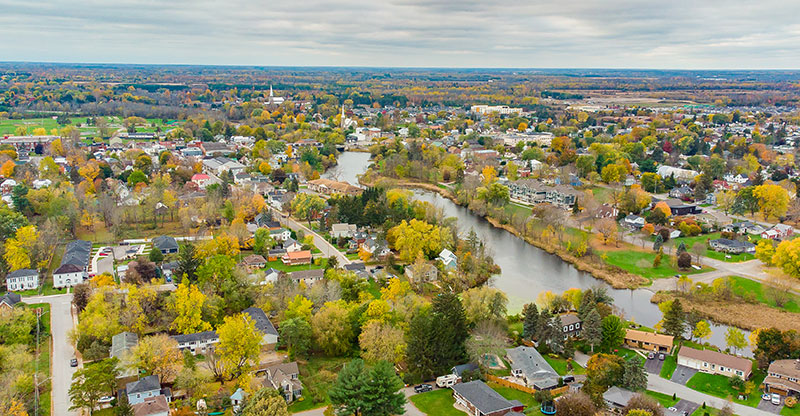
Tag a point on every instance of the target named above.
point(68, 268)
point(22, 273)
point(197, 336)
point(77, 253)
point(569, 318)
point(533, 366)
point(263, 323)
point(307, 274)
point(11, 298)
point(650, 337)
point(151, 406)
point(142, 385)
point(482, 397)
point(711, 356)
point(165, 242)
point(123, 342)
point(618, 396)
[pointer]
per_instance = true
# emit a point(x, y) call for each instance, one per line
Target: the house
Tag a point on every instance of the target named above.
point(783, 377)
point(713, 362)
point(297, 257)
point(685, 174)
point(202, 180)
point(482, 400)
point(254, 262)
point(532, 191)
point(679, 207)
point(308, 277)
point(617, 398)
point(270, 276)
point(606, 211)
point(10, 299)
point(531, 368)
point(570, 325)
point(68, 275)
point(290, 245)
point(121, 343)
point(681, 192)
point(448, 259)
point(168, 269)
point(778, 232)
point(649, 341)
point(214, 148)
point(359, 268)
point(377, 248)
point(165, 244)
point(199, 342)
point(633, 221)
point(275, 254)
point(421, 272)
point(285, 378)
point(22, 279)
point(237, 400)
point(330, 187)
point(280, 234)
point(142, 389)
point(732, 246)
point(152, 406)
point(343, 230)
point(263, 325)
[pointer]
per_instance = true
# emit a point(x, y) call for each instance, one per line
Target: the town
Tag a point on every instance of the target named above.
point(192, 248)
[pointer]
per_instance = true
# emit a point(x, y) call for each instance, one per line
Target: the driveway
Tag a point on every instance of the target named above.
point(653, 366)
point(660, 385)
point(683, 406)
point(61, 322)
point(767, 406)
point(682, 374)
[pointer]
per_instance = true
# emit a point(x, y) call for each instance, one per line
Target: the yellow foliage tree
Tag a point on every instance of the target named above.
point(187, 304)
point(239, 344)
point(103, 279)
point(7, 170)
point(489, 174)
point(773, 200)
point(20, 248)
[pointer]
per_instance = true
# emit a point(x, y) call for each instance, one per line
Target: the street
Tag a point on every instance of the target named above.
point(660, 385)
point(327, 248)
point(61, 322)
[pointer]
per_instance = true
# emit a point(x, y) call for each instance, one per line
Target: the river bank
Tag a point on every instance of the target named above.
point(744, 315)
point(617, 278)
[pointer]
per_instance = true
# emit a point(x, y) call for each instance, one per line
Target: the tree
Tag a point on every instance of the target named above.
point(187, 304)
point(263, 241)
point(332, 330)
point(786, 256)
point(765, 250)
point(347, 393)
point(19, 250)
point(484, 303)
point(701, 331)
point(266, 402)
point(684, 260)
point(299, 307)
point(295, 334)
point(91, 383)
point(607, 227)
point(575, 404)
point(633, 377)
point(239, 344)
point(773, 200)
point(156, 256)
point(188, 262)
point(157, 354)
point(417, 237)
point(674, 322)
point(642, 405)
point(123, 407)
point(613, 332)
point(592, 331)
point(530, 318)
point(307, 206)
point(436, 337)
point(382, 341)
point(383, 395)
point(726, 200)
point(735, 339)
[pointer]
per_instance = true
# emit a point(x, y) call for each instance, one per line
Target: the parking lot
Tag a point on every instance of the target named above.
point(682, 374)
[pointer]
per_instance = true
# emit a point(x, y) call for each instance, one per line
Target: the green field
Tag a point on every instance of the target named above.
point(9, 126)
point(665, 399)
point(749, 288)
point(691, 241)
point(531, 405)
point(627, 354)
point(514, 209)
point(601, 194)
point(560, 365)
point(436, 403)
point(719, 386)
point(278, 265)
point(641, 263)
point(669, 366)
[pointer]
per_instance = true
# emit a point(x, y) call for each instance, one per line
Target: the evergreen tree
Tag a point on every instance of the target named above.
point(542, 326)
point(435, 339)
point(123, 408)
point(382, 394)
point(187, 264)
point(347, 393)
point(675, 319)
point(591, 329)
point(555, 337)
point(588, 304)
point(420, 342)
point(633, 376)
point(530, 317)
point(613, 332)
point(681, 249)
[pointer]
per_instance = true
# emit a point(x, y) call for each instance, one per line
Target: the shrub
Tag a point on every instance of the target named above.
point(790, 402)
point(685, 260)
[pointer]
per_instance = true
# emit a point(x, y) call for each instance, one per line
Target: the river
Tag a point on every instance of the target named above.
point(527, 270)
point(349, 166)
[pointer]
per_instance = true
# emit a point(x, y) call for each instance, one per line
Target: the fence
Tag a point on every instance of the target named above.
point(503, 382)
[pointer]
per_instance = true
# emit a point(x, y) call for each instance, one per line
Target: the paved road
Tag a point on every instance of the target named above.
point(327, 248)
point(661, 385)
point(411, 410)
point(61, 322)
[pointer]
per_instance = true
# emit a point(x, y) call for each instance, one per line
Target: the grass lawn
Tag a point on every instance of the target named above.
point(601, 194)
point(641, 263)
point(791, 412)
point(669, 366)
point(514, 209)
point(373, 289)
point(664, 399)
point(719, 386)
point(628, 354)
point(109, 411)
point(516, 327)
point(278, 265)
point(746, 288)
point(531, 405)
point(691, 241)
point(436, 403)
point(560, 365)
point(352, 256)
point(317, 373)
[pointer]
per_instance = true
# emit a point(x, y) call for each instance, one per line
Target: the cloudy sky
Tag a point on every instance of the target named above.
point(693, 34)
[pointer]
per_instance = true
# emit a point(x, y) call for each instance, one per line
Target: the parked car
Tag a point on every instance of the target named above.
point(73, 362)
point(776, 399)
point(661, 356)
point(569, 379)
point(672, 409)
point(105, 399)
point(766, 396)
point(422, 388)
point(651, 355)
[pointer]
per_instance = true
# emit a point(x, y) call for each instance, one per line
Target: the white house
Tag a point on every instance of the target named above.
point(343, 230)
point(22, 279)
point(68, 275)
point(449, 259)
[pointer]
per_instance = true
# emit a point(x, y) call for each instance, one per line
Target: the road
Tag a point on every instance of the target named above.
point(327, 248)
point(411, 410)
point(658, 384)
point(61, 322)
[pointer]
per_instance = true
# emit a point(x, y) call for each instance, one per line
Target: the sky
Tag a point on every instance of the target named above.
point(672, 34)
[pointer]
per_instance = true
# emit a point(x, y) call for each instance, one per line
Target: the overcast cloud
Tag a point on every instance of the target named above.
point(696, 34)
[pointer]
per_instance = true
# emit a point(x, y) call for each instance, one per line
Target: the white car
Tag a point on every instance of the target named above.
point(776, 399)
point(106, 399)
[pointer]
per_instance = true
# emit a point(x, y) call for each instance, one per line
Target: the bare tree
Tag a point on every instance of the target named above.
point(607, 227)
point(698, 248)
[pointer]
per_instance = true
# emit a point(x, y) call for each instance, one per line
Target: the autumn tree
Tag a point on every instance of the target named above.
point(643, 403)
point(239, 344)
point(19, 251)
point(612, 332)
point(575, 404)
point(187, 304)
point(307, 206)
point(484, 303)
point(735, 339)
point(157, 354)
point(765, 250)
point(701, 331)
point(786, 255)
point(417, 237)
point(382, 341)
point(266, 402)
point(332, 330)
point(773, 200)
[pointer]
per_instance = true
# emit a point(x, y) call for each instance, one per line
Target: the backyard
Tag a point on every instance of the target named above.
point(560, 365)
point(641, 263)
point(317, 375)
point(747, 288)
point(719, 386)
point(437, 402)
point(691, 241)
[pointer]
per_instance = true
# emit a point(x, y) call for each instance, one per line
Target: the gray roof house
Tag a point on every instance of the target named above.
point(732, 246)
point(120, 345)
point(143, 388)
point(480, 399)
point(77, 253)
point(264, 325)
point(10, 299)
point(198, 342)
point(617, 397)
point(528, 365)
point(165, 244)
